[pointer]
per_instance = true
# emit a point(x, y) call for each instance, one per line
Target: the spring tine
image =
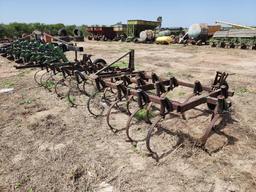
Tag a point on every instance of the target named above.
point(148, 138)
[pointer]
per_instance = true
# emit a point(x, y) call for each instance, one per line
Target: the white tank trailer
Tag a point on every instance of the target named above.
point(200, 33)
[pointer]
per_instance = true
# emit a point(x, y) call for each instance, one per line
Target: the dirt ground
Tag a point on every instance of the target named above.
point(46, 145)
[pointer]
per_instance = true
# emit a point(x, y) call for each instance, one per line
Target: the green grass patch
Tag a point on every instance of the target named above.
point(242, 91)
point(7, 84)
point(49, 84)
point(25, 101)
point(142, 114)
point(181, 93)
point(17, 185)
point(24, 72)
point(71, 99)
point(187, 75)
point(170, 74)
point(121, 64)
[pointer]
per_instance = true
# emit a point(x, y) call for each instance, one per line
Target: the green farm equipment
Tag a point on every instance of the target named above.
point(239, 36)
point(31, 52)
point(135, 27)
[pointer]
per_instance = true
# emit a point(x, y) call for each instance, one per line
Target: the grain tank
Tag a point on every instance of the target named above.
point(135, 27)
point(147, 36)
point(202, 32)
point(176, 31)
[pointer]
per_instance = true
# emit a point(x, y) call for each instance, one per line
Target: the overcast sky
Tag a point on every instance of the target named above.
point(175, 13)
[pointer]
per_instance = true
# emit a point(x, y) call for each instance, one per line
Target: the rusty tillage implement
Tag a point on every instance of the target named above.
point(71, 79)
point(67, 75)
point(150, 91)
point(143, 97)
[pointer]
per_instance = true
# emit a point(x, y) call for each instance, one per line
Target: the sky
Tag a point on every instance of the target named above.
point(175, 13)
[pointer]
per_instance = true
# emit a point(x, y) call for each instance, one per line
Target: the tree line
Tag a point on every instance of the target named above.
point(15, 30)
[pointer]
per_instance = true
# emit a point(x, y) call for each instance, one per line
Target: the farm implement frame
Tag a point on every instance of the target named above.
point(111, 89)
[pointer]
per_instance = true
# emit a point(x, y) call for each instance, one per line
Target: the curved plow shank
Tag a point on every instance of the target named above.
point(37, 76)
point(149, 135)
point(137, 120)
point(88, 88)
point(212, 124)
point(60, 86)
point(43, 80)
point(97, 103)
point(75, 95)
point(111, 118)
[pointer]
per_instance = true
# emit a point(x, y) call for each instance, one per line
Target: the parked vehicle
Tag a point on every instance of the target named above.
point(239, 36)
point(101, 33)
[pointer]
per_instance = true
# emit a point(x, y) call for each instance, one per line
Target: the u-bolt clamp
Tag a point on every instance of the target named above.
point(121, 90)
point(143, 98)
point(166, 107)
point(173, 83)
point(223, 105)
point(224, 91)
point(100, 84)
point(126, 80)
point(140, 82)
point(160, 89)
point(198, 88)
point(79, 76)
point(154, 77)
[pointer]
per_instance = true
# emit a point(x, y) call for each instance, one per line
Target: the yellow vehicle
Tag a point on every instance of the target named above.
point(165, 40)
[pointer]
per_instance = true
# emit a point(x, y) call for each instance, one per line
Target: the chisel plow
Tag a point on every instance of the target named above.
point(137, 102)
point(68, 79)
point(73, 79)
point(143, 98)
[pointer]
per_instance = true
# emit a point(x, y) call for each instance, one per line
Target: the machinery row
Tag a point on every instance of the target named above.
point(141, 31)
point(111, 90)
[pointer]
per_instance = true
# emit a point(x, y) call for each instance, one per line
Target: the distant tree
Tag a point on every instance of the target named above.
point(70, 29)
point(15, 30)
point(83, 28)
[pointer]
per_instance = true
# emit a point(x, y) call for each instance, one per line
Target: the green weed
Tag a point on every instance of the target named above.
point(7, 84)
point(142, 114)
point(242, 91)
point(181, 93)
point(17, 185)
point(121, 64)
point(25, 101)
point(49, 84)
point(23, 73)
point(71, 99)
point(170, 74)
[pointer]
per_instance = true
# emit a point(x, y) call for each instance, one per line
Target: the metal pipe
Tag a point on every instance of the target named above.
point(235, 25)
